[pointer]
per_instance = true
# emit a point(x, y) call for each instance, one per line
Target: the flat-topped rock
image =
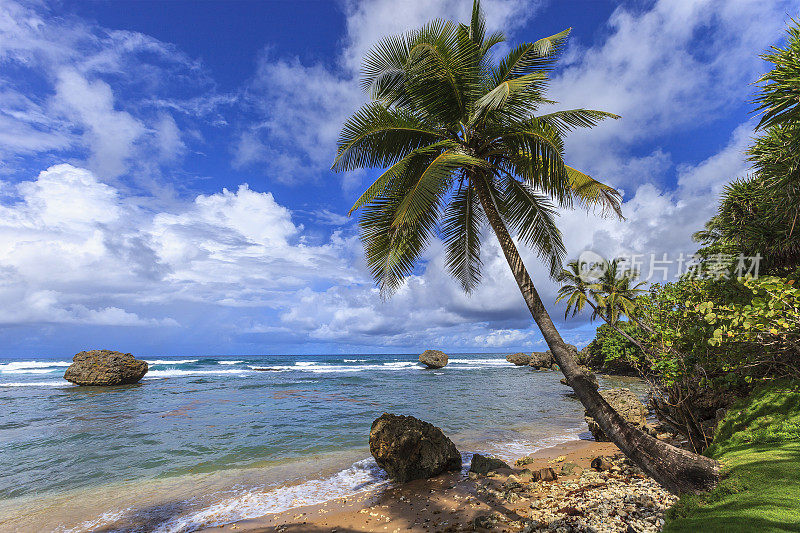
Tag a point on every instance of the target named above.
point(519, 359)
point(433, 358)
point(627, 404)
point(541, 360)
point(105, 368)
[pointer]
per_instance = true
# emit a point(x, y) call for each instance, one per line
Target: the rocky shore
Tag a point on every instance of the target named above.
point(613, 496)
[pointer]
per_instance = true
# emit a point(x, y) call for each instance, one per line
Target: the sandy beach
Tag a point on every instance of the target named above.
point(496, 502)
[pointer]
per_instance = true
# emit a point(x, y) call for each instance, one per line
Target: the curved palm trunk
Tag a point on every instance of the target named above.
point(679, 471)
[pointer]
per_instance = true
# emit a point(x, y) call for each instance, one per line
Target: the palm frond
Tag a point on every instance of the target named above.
point(571, 119)
point(378, 136)
point(461, 231)
point(532, 216)
point(530, 57)
point(431, 184)
point(416, 160)
point(505, 92)
point(591, 193)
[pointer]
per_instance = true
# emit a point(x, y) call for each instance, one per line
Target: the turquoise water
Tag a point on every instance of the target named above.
point(208, 440)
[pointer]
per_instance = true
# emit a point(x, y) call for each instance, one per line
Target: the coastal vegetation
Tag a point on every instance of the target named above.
point(732, 322)
point(463, 146)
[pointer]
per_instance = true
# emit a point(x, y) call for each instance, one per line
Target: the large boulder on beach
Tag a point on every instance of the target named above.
point(482, 464)
point(105, 368)
point(519, 359)
point(409, 448)
point(433, 358)
point(627, 404)
point(541, 360)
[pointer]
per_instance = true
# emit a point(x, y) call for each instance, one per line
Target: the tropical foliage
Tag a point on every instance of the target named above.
point(706, 340)
point(613, 352)
point(761, 214)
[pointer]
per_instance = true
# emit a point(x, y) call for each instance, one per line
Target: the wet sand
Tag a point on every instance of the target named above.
point(449, 502)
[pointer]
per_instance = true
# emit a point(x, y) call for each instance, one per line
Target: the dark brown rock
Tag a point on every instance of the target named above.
point(482, 464)
point(627, 404)
point(541, 360)
point(433, 358)
point(545, 474)
point(409, 448)
point(601, 464)
point(519, 359)
point(105, 368)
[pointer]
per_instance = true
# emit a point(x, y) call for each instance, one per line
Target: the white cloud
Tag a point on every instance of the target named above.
point(672, 68)
point(76, 250)
point(500, 338)
point(368, 22)
point(169, 143)
point(95, 93)
point(303, 106)
point(110, 134)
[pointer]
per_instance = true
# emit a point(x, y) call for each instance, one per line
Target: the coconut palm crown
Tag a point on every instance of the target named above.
point(448, 124)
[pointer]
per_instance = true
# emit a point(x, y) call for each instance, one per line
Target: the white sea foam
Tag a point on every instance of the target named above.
point(38, 384)
point(229, 362)
point(362, 476)
point(171, 361)
point(105, 519)
point(328, 368)
point(32, 370)
point(481, 362)
point(19, 365)
point(173, 373)
point(514, 449)
point(354, 360)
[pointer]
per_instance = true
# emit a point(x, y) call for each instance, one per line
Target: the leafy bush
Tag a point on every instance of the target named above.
point(611, 352)
point(710, 340)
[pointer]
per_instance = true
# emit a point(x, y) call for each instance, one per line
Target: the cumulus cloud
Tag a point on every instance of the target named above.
point(109, 133)
point(77, 250)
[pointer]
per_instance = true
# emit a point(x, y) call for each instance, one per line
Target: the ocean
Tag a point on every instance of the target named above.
point(205, 441)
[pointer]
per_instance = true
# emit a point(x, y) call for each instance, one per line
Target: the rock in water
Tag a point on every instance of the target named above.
point(104, 368)
point(540, 360)
point(433, 358)
point(627, 404)
point(483, 465)
point(519, 359)
point(408, 448)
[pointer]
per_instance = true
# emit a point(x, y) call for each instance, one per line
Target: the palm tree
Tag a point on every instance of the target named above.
point(462, 146)
point(610, 295)
point(616, 293)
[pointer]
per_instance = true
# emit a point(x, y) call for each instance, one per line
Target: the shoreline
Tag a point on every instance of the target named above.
point(449, 502)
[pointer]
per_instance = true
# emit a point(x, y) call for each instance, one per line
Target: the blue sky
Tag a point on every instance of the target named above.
point(164, 182)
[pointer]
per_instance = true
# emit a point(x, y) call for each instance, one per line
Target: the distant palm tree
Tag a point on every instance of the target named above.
point(463, 146)
point(616, 293)
point(610, 295)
